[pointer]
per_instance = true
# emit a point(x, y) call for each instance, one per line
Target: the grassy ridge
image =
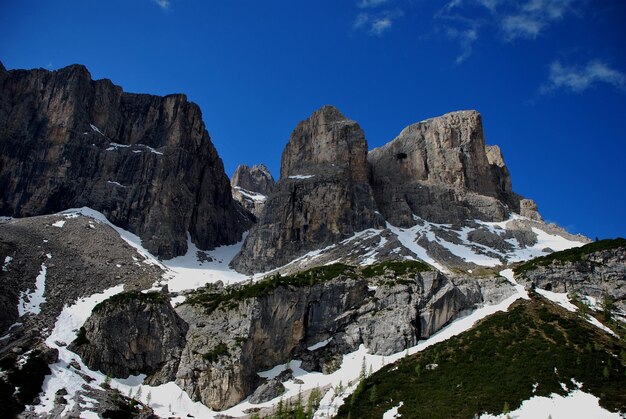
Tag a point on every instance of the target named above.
point(212, 300)
point(492, 367)
point(571, 255)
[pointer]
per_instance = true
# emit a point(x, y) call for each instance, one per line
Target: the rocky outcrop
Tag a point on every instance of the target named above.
point(323, 195)
point(144, 161)
point(229, 342)
point(597, 274)
point(132, 333)
point(251, 187)
point(440, 170)
point(82, 256)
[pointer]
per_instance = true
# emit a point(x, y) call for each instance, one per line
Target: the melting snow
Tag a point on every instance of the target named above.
point(408, 238)
point(116, 184)
point(7, 262)
point(576, 404)
point(320, 344)
point(95, 128)
point(393, 412)
point(560, 298)
point(31, 301)
point(257, 197)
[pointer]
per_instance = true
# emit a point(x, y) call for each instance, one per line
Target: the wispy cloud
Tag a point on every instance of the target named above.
point(465, 20)
point(578, 78)
point(365, 4)
point(466, 39)
point(531, 18)
point(164, 4)
point(376, 23)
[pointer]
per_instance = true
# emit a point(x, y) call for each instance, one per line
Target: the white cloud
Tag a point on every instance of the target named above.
point(466, 39)
point(364, 4)
point(376, 23)
point(165, 4)
point(463, 20)
point(579, 78)
point(380, 25)
point(533, 17)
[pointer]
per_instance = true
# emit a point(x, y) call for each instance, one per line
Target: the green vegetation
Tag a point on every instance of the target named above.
point(294, 409)
point(398, 267)
point(212, 301)
point(570, 255)
point(494, 366)
point(81, 337)
point(126, 297)
point(220, 350)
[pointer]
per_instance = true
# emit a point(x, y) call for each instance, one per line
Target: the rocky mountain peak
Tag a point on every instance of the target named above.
point(146, 162)
point(327, 140)
point(257, 179)
point(251, 187)
point(440, 169)
point(323, 195)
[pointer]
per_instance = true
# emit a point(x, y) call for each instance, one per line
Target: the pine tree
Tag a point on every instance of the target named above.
point(373, 395)
point(363, 373)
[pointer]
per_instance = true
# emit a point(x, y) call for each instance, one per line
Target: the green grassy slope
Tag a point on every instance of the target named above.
point(493, 367)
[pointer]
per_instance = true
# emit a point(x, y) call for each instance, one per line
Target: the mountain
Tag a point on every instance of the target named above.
point(415, 259)
point(251, 187)
point(146, 162)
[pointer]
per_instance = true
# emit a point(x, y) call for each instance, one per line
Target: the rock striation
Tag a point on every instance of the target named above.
point(440, 170)
point(323, 195)
point(132, 333)
point(251, 187)
point(316, 322)
point(144, 161)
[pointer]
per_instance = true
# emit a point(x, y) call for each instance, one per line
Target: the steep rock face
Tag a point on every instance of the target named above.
point(322, 197)
point(598, 274)
point(144, 161)
point(441, 170)
point(251, 187)
point(227, 345)
point(132, 333)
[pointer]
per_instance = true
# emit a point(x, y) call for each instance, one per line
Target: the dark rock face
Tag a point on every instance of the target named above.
point(132, 333)
point(145, 161)
point(441, 170)
point(322, 197)
point(251, 187)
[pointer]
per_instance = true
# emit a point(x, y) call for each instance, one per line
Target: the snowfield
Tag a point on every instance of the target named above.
point(188, 272)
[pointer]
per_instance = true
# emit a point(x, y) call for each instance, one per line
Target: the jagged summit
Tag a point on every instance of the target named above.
point(251, 187)
point(322, 197)
point(328, 140)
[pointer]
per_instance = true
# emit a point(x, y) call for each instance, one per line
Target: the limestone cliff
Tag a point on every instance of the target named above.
point(322, 197)
point(144, 161)
point(440, 170)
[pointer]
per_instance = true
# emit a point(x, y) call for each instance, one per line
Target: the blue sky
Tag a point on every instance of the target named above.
point(549, 76)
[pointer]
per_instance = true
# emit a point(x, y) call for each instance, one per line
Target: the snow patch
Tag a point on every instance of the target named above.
point(301, 176)
point(95, 129)
point(59, 224)
point(116, 184)
point(576, 404)
point(393, 412)
point(6, 264)
point(320, 344)
point(256, 197)
point(560, 298)
point(31, 300)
